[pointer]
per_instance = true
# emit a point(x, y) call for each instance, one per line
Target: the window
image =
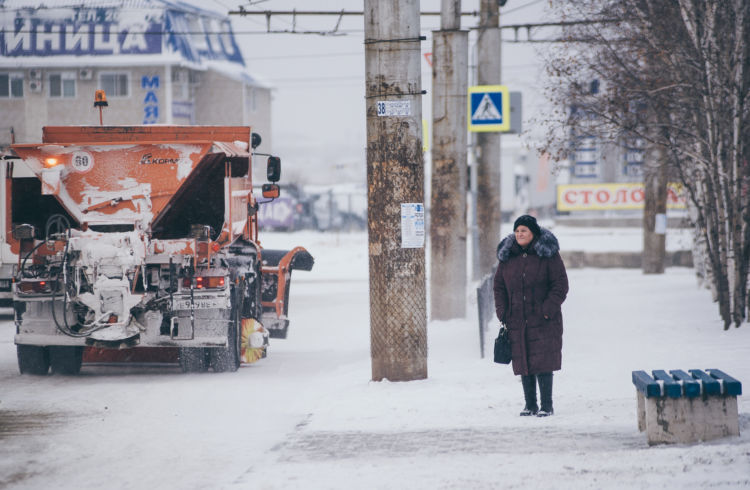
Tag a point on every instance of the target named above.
point(11, 85)
point(226, 38)
point(115, 84)
point(180, 83)
point(197, 35)
point(62, 84)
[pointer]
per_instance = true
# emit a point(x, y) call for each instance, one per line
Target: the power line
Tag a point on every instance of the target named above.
point(506, 12)
point(352, 53)
point(343, 13)
point(317, 79)
point(533, 25)
point(304, 56)
point(336, 31)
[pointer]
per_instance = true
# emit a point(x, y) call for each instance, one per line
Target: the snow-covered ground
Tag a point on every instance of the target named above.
point(309, 417)
point(614, 239)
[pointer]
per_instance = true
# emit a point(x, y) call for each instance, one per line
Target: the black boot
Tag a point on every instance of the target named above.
point(545, 393)
point(529, 394)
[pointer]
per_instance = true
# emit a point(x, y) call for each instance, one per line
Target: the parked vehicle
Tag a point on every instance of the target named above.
point(290, 212)
point(8, 259)
point(339, 207)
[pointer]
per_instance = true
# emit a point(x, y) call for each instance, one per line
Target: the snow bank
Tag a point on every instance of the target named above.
point(309, 417)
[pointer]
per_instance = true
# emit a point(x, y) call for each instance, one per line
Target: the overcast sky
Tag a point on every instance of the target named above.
point(318, 112)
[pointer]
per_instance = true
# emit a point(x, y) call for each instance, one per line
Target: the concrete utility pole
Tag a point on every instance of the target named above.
point(395, 176)
point(488, 144)
point(449, 179)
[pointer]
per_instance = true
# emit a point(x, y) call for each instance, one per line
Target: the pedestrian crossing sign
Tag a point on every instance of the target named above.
point(489, 108)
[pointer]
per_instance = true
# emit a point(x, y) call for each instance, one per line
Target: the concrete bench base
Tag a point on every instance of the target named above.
point(685, 420)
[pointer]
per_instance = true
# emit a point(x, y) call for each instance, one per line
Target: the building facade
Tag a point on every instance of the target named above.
point(159, 62)
point(602, 180)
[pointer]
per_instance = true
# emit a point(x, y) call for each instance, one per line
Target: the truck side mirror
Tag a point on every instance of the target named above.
point(255, 140)
point(271, 191)
point(273, 169)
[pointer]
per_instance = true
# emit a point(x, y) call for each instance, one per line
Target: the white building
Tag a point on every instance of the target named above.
point(160, 62)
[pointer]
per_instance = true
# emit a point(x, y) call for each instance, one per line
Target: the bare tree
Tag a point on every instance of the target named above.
point(677, 74)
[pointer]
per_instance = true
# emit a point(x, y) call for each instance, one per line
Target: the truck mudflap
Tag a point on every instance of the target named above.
point(135, 355)
point(254, 342)
point(277, 266)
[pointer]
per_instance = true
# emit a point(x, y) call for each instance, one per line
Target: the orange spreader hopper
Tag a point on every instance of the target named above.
point(129, 174)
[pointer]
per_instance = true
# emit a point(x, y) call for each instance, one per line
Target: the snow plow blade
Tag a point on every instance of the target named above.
point(277, 266)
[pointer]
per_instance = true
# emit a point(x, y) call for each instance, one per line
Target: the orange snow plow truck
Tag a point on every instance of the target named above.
point(134, 239)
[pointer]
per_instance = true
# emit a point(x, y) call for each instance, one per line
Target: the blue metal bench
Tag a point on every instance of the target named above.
point(678, 407)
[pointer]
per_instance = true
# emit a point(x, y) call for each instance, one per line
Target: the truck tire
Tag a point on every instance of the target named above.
point(227, 359)
point(32, 359)
point(65, 359)
point(193, 360)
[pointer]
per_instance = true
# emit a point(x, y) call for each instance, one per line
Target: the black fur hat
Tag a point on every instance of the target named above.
point(529, 222)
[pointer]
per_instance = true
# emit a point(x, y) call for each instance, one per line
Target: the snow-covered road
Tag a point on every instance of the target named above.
point(308, 416)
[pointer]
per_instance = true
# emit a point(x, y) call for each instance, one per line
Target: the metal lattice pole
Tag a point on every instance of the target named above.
point(395, 176)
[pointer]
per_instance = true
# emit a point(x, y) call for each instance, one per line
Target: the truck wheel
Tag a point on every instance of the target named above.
point(193, 360)
point(65, 359)
point(32, 359)
point(228, 358)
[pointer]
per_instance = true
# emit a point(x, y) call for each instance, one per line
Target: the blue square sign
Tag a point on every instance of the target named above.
point(489, 108)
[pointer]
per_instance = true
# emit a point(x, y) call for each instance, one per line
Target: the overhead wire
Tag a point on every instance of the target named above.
point(510, 11)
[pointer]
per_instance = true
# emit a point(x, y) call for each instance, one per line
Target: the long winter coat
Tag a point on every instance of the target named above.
point(530, 285)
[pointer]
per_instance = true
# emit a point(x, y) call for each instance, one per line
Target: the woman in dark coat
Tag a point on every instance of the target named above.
point(530, 285)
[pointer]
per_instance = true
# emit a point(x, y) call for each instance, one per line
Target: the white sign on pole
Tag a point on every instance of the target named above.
point(412, 225)
point(394, 107)
point(660, 224)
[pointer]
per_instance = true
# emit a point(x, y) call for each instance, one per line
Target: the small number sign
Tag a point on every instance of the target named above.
point(82, 161)
point(394, 107)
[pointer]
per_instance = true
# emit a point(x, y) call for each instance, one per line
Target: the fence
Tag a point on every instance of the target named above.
point(486, 305)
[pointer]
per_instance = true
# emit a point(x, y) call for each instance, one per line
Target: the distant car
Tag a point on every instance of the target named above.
point(277, 214)
point(327, 213)
point(293, 210)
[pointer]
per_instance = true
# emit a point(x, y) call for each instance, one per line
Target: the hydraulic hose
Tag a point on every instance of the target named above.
point(67, 330)
point(23, 262)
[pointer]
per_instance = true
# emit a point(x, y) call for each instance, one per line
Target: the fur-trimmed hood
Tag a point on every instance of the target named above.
point(545, 245)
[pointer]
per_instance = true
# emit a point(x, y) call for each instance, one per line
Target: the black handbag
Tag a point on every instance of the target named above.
point(502, 346)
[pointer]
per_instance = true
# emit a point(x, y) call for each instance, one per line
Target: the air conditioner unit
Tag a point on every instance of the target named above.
point(35, 85)
point(35, 74)
point(86, 74)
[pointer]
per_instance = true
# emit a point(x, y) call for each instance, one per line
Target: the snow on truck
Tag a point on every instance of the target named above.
point(137, 237)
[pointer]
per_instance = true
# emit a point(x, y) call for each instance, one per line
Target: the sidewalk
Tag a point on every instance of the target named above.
point(460, 427)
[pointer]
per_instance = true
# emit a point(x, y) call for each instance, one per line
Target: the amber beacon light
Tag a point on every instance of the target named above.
point(100, 100)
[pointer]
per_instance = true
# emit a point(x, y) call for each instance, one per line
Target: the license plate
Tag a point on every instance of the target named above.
point(200, 304)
